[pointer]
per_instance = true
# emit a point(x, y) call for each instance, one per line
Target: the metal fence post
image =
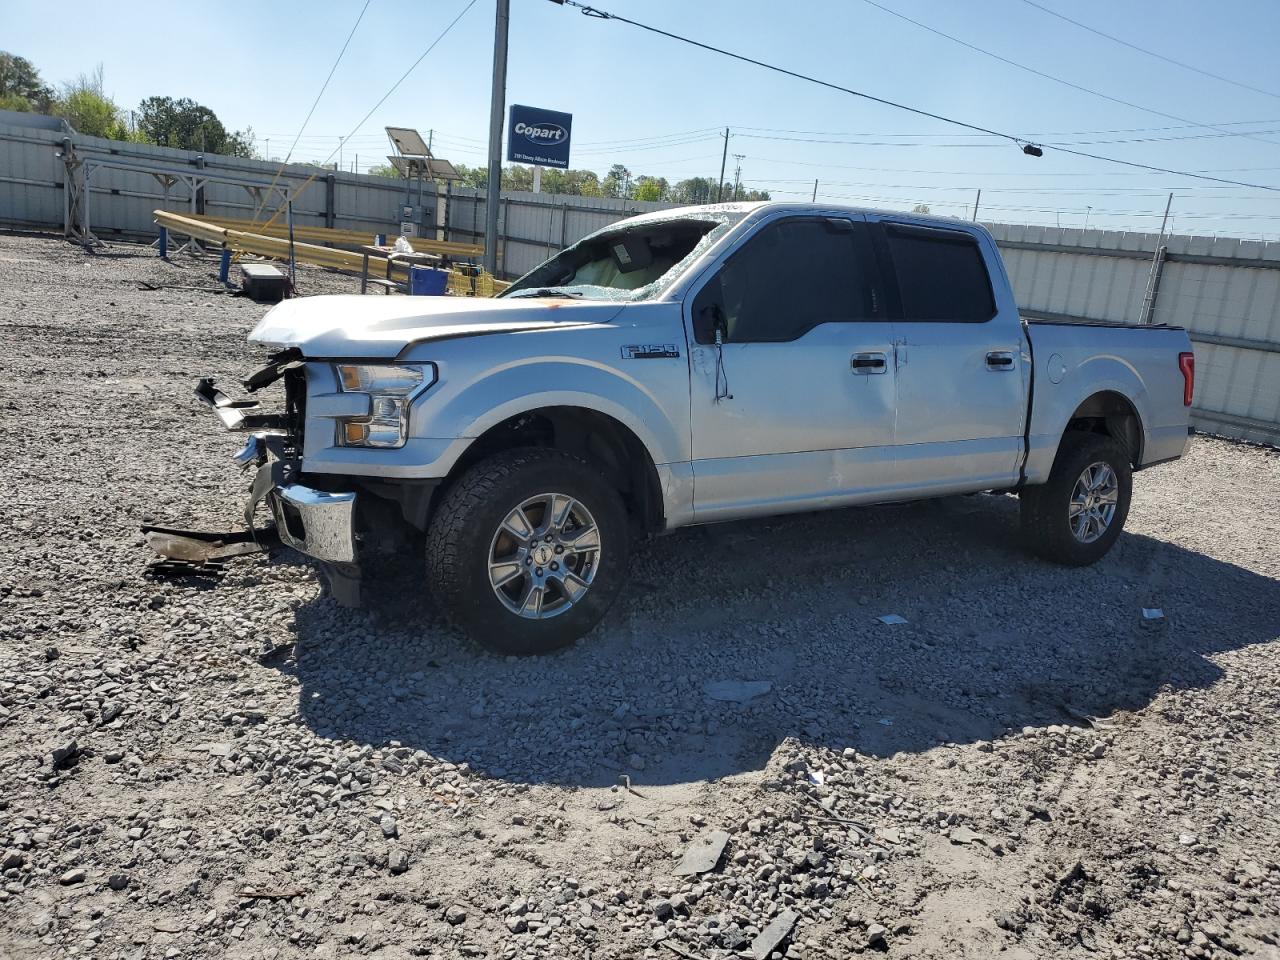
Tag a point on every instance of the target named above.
point(1148, 311)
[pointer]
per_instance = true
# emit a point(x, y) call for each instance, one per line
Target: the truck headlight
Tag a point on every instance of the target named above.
point(391, 388)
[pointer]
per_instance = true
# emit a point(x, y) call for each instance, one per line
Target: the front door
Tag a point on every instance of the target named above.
point(792, 379)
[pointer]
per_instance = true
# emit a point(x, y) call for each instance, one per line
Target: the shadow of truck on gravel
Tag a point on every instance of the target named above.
point(995, 641)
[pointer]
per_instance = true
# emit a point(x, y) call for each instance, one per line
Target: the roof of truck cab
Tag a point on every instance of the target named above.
point(800, 207)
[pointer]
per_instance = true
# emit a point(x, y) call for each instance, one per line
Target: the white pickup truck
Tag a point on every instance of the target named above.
point(692, 366)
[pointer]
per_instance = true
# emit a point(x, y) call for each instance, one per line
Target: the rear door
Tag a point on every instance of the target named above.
point(961, 395)
point(794, 408)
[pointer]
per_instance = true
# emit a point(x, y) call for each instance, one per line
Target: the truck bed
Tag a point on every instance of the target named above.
point(1076, 361)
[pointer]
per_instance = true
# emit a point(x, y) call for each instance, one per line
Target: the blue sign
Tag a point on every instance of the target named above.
point(538, 136)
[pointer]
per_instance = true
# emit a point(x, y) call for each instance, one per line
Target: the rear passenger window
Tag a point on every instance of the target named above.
point(941, 275)
point(792, 276)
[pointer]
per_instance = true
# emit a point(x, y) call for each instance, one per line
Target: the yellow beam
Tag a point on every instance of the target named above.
point(278, 248)
point(449, 248)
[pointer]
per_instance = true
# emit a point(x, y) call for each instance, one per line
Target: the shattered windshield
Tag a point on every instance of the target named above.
point(632, 262)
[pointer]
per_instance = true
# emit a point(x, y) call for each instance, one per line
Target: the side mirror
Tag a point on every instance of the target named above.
point(707, 322)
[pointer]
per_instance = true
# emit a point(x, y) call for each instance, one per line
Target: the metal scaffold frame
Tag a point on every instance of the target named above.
point(79, 178)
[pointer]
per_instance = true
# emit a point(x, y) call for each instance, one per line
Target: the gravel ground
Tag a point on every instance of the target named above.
point(245, 770)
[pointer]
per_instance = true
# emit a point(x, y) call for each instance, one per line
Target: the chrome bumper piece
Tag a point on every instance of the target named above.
point(319, 524)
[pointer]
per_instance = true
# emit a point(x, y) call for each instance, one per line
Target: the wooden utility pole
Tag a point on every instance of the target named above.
point(723, 159)
point(815, 190)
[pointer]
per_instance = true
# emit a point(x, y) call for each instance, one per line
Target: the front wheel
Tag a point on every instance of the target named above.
point(1076, 516)
point(528, 550)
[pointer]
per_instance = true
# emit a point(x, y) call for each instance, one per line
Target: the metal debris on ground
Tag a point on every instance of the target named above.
point(186, 553)
point(1152, 613)
point(891, 618)
point(703, 854)
point(772, 935)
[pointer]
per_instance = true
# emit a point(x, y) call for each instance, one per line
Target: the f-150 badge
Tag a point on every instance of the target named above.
point(649, 351)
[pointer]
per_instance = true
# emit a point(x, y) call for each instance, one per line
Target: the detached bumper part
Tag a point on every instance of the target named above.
point(319, 524)
point(238, 414)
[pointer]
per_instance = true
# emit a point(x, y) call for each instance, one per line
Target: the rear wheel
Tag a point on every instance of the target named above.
point(1078, 514)
point(528, 550)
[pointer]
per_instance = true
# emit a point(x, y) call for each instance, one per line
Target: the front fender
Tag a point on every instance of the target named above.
point(466, 410)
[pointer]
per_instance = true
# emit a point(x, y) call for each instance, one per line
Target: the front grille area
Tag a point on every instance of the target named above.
point(295, 407)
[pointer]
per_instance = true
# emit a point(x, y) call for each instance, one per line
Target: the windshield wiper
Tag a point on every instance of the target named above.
point(547, 292)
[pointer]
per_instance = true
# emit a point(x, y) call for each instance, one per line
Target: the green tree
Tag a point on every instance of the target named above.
point(617, 181)
point(187, 125)
point(21, 87)
point(920, 208)
point(84, 104)
point(694, 190)
point(650, 188)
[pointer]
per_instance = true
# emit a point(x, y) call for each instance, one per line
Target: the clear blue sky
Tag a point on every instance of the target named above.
point(656, 105)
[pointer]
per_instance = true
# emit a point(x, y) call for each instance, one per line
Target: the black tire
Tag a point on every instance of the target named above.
point(463, 531)
point(1046, 509)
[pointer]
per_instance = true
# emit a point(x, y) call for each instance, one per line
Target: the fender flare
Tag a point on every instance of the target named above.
point(468, 414)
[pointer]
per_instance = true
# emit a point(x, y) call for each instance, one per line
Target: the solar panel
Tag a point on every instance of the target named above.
point(442, 170)
point(432, 169)
point(408, 141)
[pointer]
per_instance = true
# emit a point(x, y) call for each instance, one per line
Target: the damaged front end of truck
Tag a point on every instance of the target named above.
point(317, 522)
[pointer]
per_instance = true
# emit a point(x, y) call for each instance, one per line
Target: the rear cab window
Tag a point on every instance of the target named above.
point(941, 274)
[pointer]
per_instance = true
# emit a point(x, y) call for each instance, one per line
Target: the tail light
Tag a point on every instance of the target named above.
point(1187, 364)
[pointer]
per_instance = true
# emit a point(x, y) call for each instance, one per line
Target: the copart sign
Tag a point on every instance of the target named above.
point(538, 136)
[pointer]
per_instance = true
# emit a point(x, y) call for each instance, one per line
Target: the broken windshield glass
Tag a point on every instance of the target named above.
point(627, 262)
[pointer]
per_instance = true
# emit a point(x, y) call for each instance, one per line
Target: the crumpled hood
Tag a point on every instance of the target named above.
point(382, 326)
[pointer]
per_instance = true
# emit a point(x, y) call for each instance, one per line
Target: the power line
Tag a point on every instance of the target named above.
point(1151, 53)
point(1059, 133)
point(944, 146)
point(1027, 146)
point(1056, 79)
point(995, 173)
point(325, 86)
point(394, 87)
point(266, 195)
point(605, 15)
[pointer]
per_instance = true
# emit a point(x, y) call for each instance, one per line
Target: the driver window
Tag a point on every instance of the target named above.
point(790, 277)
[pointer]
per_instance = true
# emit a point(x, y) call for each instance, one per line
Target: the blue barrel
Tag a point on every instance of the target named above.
point(428, 281)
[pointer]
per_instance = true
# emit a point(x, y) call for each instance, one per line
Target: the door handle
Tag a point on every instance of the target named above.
point(1000, 360)
point(867, 363)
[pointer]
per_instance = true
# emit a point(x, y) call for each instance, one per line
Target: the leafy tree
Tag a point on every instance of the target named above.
point(920, 208)
point(694, 190)
point(616, 181)
point(85, 105)
point(21, 87)
point(187, 125)
point(650, 188)
point(574, 183)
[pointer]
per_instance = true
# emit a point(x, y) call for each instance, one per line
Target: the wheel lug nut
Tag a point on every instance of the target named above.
point(559, 549)
point(554, 565)
point(538, 571)
point(528, 561)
